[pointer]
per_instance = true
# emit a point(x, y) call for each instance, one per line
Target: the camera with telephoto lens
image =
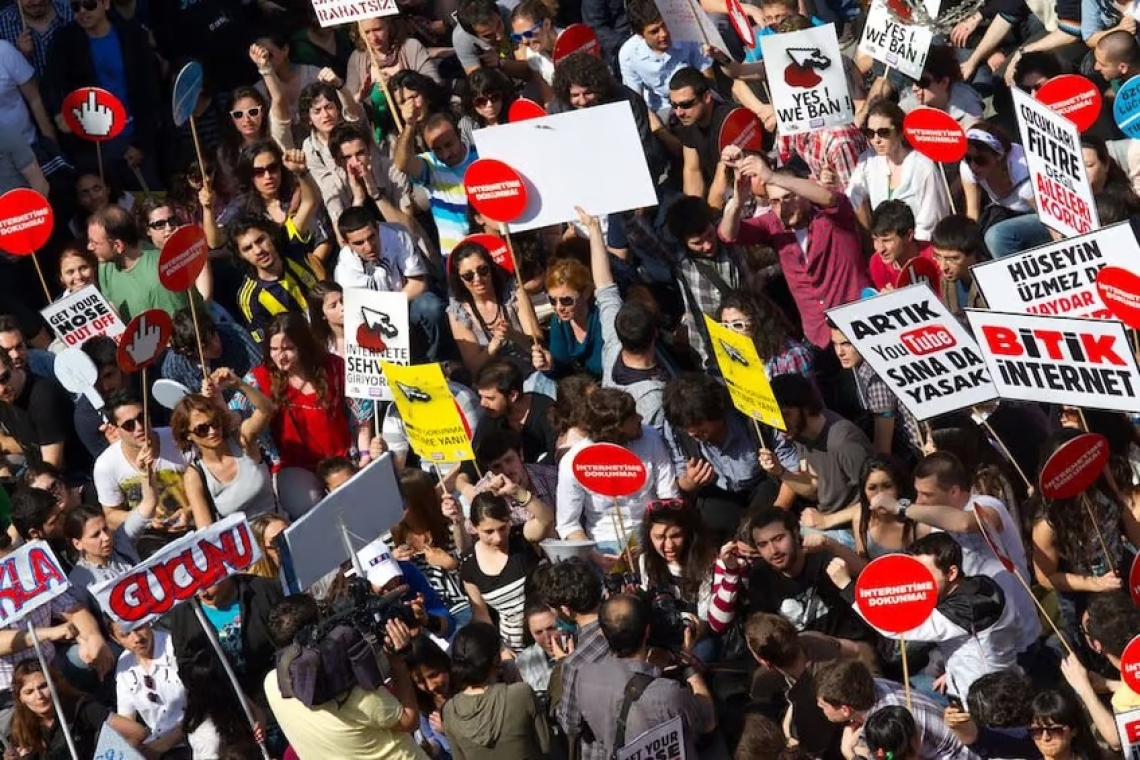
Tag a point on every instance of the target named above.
point(346, 649)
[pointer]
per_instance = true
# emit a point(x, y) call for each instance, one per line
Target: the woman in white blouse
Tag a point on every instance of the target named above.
point(891, 170)
point(148, 686)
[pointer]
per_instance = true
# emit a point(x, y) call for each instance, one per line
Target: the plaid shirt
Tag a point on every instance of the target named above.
point(936, 739)
point(879, 400)
point(41, 617)
point(591, 647)
point(12, 26)
point(703, 296)
point(837, 147)
point(797, 358)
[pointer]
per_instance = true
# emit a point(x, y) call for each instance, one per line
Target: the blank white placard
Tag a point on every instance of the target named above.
point(589, 157)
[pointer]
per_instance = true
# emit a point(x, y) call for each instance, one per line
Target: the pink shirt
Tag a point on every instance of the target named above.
point(884, 274)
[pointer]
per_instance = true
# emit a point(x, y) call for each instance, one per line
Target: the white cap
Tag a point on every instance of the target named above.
point(379, 566)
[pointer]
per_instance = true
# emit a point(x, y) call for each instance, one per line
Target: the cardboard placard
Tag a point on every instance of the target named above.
point(896, 593)
point(919, 349)
point(94, 114)
point(687, 21)
point(26, 221)
point(77, 373)
point(30, 577)
point(144, 339)
point(1074, 466)
point(1056, 167)
point(369, 504)
point(1058, 279)
point(1074, 97)
point(565, 164)
point(376, 330)
point(112, 746)
point(336, 12)
point(178, 571)
point(1058, 360)
point(168, 392)
point(662, 742)
point(434, 425)
point(1128, 727)
point(807, 80)
point(183, 258)
point(1120, 291)
point(744, 374)
point(609, 470)
point(892, 43)
point(187, 89)
point(82, 315)
point(935, 134)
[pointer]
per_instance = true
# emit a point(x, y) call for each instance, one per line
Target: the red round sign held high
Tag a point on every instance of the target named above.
point(496, 249)
point(496, 190)
point(896, 593)
point(183, 258)
point(741, 24)
point(92, 113)
point(1074, 467)
point(576, 38)
point(921, 270)
point(26, 221)
point(1074, 97)
point(935, 134)
point(1120, 291)
point(741, 128)
point(609, 470)
point(1130, 664)
point(523, 109)
point(144, 340)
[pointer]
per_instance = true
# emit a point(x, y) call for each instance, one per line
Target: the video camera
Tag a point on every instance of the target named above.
point(346, 649)
point(667, 624)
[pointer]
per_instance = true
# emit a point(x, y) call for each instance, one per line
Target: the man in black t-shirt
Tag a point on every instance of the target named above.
point(499, 384)
point(36, 420)
point(700, 117)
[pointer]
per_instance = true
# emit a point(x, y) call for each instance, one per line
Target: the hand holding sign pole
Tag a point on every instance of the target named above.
point(614, 471)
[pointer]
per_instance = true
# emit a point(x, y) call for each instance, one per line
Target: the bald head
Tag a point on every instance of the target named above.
point(624, 620)
point(1118, 52)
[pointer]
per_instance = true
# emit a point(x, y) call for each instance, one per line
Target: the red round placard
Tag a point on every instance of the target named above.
point(896, 593)
point(921, 270)
point(496, 247)
point(741, 24)
point(26, 221)
point(1074, 467)
point(935, 134)
point(92, 113)
point(144, 340)
point(1074, 97)
point(1120, 291)
point(523, 109)
point(576, 38)
point(183, 258)
point(741, 128)
point(1130, 664)
point(609, 470)
point(496, 190)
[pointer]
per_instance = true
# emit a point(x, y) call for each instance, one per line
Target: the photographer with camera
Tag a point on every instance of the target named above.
point(358, 723)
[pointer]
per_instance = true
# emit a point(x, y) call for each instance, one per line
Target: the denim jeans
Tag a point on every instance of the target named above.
point(427, 315)
point(1016, 235)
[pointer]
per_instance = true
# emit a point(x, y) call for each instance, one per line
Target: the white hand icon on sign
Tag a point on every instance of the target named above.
point(143, 345)
point(95, 118)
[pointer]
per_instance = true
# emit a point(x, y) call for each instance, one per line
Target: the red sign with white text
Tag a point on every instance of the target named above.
point(609, 470)
point(935, 134)
point(1074, 466)
point(741, 24)
point(1074, 97)
point(523, 109)
point(496, 248)
point(1130, 664)
point(92, 113)
point(741, 128)
point(576, 38)
point(26, 221)
point(183, 258)
point(1120, 291)
point(178, 571)
point(920, 270)
point(144, 340)
point(896, 593)
point(30, 577)
point(495, 190)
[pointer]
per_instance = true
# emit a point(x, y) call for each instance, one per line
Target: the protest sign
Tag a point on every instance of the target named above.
point(935, 134)
point(665, 741)
point(187, 90)
point(26, 221)
point(893, 43)
point(609, 470)
point(920, 271)
point(92, 113)
point(921, 352)
point(741, 24)
point(375, 329)
point(1056, 167)
point(495, 190)
point(1074, 97)
point(495, 246)
point(168, 392)
point(80, 316)
point(564, 164)
point(896, 593)
point(576, 38)
point(1126, 107)
point(1130, 664)
point(183, 258)
point(30, 576)
point(807, 80)
point(336, 12)
point(368, 505)
point(1058, 360)
point(743, 129)
point(144, 340)
point(1074, 466)
point(435, 427)
point(1058, 279)
point(178, 571)
point(77, 373)
point(112, 746)
point(687, 21)
point(1120, 291)
point(523, 109)
point(1128, 727)
point(744, 374)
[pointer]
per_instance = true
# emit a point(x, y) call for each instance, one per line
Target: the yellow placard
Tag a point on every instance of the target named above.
point(435, 428)
point(744, 374)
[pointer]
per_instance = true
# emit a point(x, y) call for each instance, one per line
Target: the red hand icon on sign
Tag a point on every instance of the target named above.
point(94, 114)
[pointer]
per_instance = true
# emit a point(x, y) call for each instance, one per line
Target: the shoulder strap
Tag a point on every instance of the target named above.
point(634, 688)
point(710, 271)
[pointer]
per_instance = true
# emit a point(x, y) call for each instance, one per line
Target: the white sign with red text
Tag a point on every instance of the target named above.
point(81, 316)
point(30, 577)
point(807, 80)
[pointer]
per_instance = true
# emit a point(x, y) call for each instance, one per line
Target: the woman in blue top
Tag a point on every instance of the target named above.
point(576, 331)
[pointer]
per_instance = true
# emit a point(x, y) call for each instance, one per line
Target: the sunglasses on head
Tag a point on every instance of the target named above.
point(566, 302)
point(665, 505)
point(480, 271)
point(252, 113)
point(684, 105)
point(529, 34)
point(883, 133)
point(482, 101)
point(131, 423)
point(204, 429)
point(87, 5)
point(158, 224)
point(261, 171)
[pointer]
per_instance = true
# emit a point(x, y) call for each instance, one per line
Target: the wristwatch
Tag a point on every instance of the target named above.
point(902, 505)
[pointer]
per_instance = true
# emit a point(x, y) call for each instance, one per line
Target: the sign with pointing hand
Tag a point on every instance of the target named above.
point(144, 340)
point(94, 114)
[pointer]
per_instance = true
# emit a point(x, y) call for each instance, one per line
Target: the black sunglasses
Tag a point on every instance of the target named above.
point(883, 133)
point(1039, 731)
point(87, 5)
point(482, 101)
point(158, 224)
point(480, 271)
point(131, 423)
point(203, 429)
point(684, 105)
point(261, 171)
point(977, 158)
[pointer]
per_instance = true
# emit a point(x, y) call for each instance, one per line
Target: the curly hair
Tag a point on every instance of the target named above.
point(311, 356)
point(180, 418)
point(697, 554)
point(607, 410)
point(569, 408)
point(313, 92)
point(771, 328)
point(587, 71)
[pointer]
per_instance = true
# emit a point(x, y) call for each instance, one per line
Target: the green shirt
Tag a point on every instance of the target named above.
point(133, 292)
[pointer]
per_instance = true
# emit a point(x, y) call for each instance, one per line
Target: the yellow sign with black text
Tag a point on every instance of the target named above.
point(435, 427)
point(744, 374)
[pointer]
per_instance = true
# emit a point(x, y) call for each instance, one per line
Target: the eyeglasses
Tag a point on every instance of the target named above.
point(482, 101)
point(131, 423)
point(684, 105)
point(87, 5)
point(205, 428)
point(665, 505)
point(1038, 731)
point(261, 171)
point(738, 325)
point(252, 113)
point(158, 224)
point(566, 302)
point(883, 133)
point(977, 158)
point(480, 271)
point(529, 34)
point(923, 83)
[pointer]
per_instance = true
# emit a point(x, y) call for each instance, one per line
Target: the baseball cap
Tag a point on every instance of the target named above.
point(379, 566)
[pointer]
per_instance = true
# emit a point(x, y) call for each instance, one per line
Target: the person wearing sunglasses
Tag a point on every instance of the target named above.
point(651, 56)
point(576, 331)
point(481, 40)
point(699, 116)
point(487, 98)
point(772, 333)
point(533, 30)
point(148, 687)
point(246, 122)
point(1060, 729)
point(995, 170)
point(941, 87)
